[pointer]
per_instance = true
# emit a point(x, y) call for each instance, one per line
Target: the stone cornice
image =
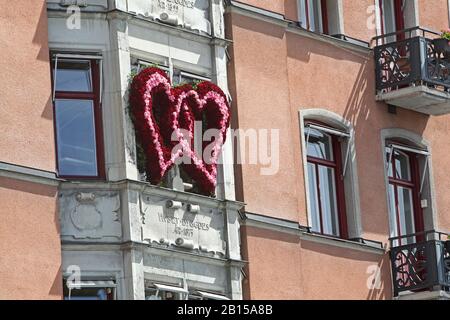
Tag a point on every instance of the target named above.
point(28, 174)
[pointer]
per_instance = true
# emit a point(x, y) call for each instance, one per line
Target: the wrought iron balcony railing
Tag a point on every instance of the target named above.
point(416, 59)
point(412, 61)
point(421, 265)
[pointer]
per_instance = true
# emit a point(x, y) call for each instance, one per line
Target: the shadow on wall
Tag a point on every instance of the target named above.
point(40, 37)
point(267, 237)
point(56, 290)
point(367, 116)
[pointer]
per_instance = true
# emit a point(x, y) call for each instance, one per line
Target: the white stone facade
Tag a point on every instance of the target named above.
point(123, 229)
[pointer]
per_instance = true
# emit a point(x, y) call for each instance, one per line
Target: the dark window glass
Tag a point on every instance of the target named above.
point(74, 76)
point(75, 127)
point(78, 119)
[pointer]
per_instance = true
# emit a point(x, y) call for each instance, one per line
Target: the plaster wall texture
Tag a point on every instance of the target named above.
point(274, 74)
point(30, 246)
point(25, 108)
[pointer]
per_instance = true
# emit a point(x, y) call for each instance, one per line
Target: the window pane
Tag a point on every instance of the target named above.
point(91, 294)
point(406, 213)
point(74, 75)
point(392, 211)
point(319, 144)
point(328, 201)
point(75, 128)
point(154, 294)
point(181, 78)
point(302, 13)
point(314, 199)
point(389, 156)
point(402, 168)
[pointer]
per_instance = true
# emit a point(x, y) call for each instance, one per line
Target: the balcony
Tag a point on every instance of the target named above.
point(413, 71)
point(422, 268)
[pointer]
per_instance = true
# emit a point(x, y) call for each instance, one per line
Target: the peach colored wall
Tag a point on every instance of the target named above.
point(270, 5)
point(26, 128)
point(30, 251)
point(433, 14)
point(274, 75)
point(300, 73)
point(356, 15)
point(288, 8)
point(307, 270)
point(30, 258)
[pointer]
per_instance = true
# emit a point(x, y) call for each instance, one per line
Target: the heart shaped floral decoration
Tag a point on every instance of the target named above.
point(164, 119)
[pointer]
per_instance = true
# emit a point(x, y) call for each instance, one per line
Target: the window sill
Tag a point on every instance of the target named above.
point(342, 243)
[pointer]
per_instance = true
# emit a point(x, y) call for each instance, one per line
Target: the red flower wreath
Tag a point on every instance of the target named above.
point(163, 116)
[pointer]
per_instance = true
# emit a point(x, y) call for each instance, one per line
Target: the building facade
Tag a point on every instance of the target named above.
point(361, 108)
point(332, 182)
point(29, 233)
point(111, 233)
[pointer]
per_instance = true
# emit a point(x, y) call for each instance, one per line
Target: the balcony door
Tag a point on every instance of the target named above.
point(393, 17)
point(405, 210)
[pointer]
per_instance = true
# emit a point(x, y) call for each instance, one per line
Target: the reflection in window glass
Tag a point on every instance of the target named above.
point(401, 199)
point(328, 201)
point(74, 76)
point(406, 213)
point(402, 167)
point(155, 294)
point(319, 144)
point(75, 129)
point(314, 199)
point(89, 291)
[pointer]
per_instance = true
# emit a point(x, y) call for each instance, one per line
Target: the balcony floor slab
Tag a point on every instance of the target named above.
point(419, 98)
point(426, 295)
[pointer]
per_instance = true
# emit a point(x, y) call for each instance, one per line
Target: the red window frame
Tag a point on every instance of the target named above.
point(95, 97)
point(324, 12)
point(337, 165)
point(399, 16)
point(414, 185)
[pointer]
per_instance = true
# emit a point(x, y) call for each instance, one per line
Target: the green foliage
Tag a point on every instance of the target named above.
point(445, 34)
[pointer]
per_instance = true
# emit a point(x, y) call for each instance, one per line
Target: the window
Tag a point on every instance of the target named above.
point(203, 295)
point(322, 16)
point(177, 77)
point(165, 292)
point(181, 77)
point(392, 15)
point(78, 120)
point(90, 290)
point(314, 15)
point(404, 191)
point(325, 180)
point(397, 15)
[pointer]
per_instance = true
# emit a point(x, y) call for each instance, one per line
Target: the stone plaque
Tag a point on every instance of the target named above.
point(203, 231)
point(90, 215)
point(189, 14)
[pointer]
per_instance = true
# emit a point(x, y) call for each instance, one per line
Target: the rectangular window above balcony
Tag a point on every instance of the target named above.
point(78, 116)
point(321, 16)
